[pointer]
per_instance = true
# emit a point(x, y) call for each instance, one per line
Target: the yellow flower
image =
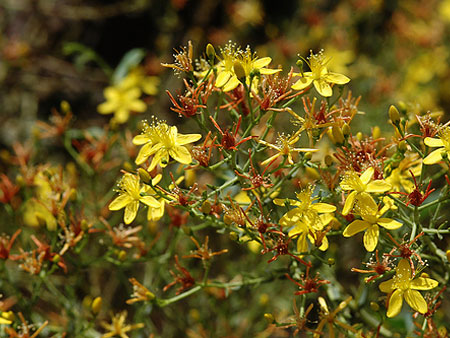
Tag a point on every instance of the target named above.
point(400, 177)
point(285, 147)
point(442, 143)
point(305, 219)
point(121, 101)
point(162, 141)
point(371, 219)
point(137, 78)
point(360, 187)
point(130, 194)
point(118, 327)
point(226, 76)
point(404, 285)
point(319, 75)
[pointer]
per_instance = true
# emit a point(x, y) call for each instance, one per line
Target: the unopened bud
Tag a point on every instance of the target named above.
point(56, 259)
point(128, 166)
point(402, 146)
point(359, 136)
point(331, 261)
point(308, 156)
point(346, 130)
point(269, 317)
point(374, 306)
point(299, 64)
point(144, 175)
point(96, 305)
point(330, 135)
point(65, 107)
point(424, 275)
point(210, 52)
point(206, 207)
point(234, 236)
point(402, 107)
point(394, 115)
point(239, 71)
point(376, 132)
point(447, 253)
point(227, 219)
point(84, 225)
point(338, 135)
point(122, 255)
point(328, 160)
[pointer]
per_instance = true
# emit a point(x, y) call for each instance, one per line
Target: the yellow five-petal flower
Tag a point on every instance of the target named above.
point(162, 141)
point(131, 192)
point(403, 285)
point(319, 76)
point(360, 187)
point(371, 219)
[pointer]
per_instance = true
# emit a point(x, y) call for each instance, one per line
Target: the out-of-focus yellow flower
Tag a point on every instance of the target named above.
point(305, 219)
point(443, 145)
point(404, 286)
point(327, 317)
point(131, 192)
point(226, 75)
point(137, 78)
point(120, 101)
point(400, 177)
point(371, 220)
point(117, 327)
point(360, 187)
point(285, 147)
point(162, 141)
point(319, 75)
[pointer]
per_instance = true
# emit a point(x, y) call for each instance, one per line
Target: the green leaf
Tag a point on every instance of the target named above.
point(130, 60)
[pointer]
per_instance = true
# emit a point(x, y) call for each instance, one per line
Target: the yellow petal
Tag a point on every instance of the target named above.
point(434, 157)
point(222, 78)
point(302, 245)
point(367, 175)
point(121, 115)
point(323, 88)
point(146, 151)
point(137, 105)
point(107, 107)
point(423, 283)
point(291, 217)
point(433, 142)
point(389, 224)
point(403, 271)
point(149, 201)
point(371, 238)
point(130, 212)
point(302, 83)
point(141, 139)
point(416, 301)
point(336, 78)
point(378, 186)
point(180, 154)
point(111, 93)
point(355, 227)
point(232, 83)
point(366, 203)
point(155, 214)
point(161, 157)
point(349, 202)
point(262, 62)
point(324, 245)
point(387, 286)
point(323, 207)
point(395, 303)
point(120, 202)
point(187, 138)
point(268, 71)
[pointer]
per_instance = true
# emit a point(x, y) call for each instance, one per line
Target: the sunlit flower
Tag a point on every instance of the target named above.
point(371, 220)
point(319, 75)
point(131, 192)
point(360, 187)
point(443, 145)
point(305, 219)
point(117, 327)
point(403, 285)
point(120, 102)
point(161, 141)
point(226, 76)
point(285, 147)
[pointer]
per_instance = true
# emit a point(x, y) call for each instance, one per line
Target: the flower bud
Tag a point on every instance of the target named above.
point(308, 156)
point(402, 146)
point(328, 160)
point(359, 136)
point(210, 52)
point(144, 175)
point(269, 317)
point(239, 71)
point(96, 305)
point(374, 306)
point(206, 207)
point(65, 107)
point(338, 135)
point(346, 130)
point(394, 115)
point(402, 106)
point(234, 236)
point(376, 132)
point(122, 255)
point(331, 261)
point(227, 219)
point(447, 253)
point(128, 166)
